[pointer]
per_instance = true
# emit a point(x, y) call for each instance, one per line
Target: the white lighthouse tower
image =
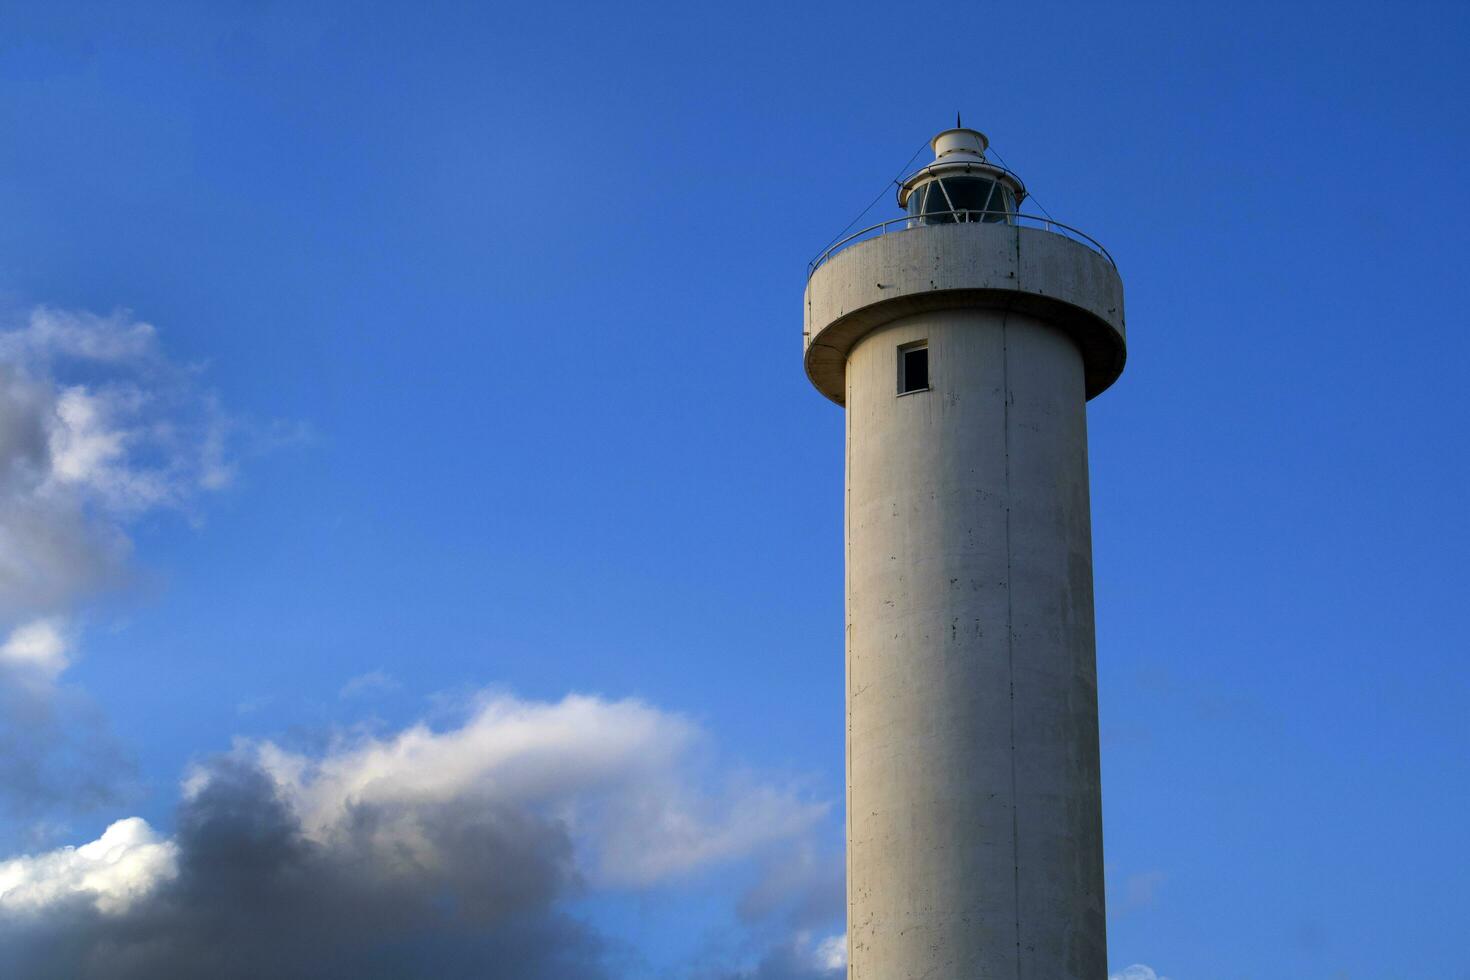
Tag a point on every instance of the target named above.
point(964, 341)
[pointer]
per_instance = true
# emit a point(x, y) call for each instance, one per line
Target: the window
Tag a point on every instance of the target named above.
point(931, 203)
point(917, 196)
point(975, 196)
point(913, 367)
point(943, 201)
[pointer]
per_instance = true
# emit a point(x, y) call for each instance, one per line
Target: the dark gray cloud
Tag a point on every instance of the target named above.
point(255, 897)
point(425, 853)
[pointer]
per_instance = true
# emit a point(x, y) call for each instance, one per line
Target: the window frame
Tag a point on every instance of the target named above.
point(904, 350)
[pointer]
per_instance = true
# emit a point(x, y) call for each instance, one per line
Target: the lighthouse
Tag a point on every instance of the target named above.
point(964, 339)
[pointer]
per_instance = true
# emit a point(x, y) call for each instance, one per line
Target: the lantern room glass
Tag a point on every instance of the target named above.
point(947, 200)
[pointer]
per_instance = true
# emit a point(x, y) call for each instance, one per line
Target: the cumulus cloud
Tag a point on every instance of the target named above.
point(36, 651)
point(1137, 972)
point(97, 428)
point(242, 891)
point(125, 863)
point(621, 775)
point(800, 958)
point(426, 852)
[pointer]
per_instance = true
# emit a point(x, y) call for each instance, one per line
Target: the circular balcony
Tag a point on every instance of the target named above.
point(960, 217)
point(995, 260)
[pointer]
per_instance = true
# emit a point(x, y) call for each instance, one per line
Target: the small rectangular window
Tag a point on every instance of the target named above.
point(913, 367)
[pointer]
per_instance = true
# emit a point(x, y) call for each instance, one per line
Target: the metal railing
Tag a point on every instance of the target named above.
point(961, 217)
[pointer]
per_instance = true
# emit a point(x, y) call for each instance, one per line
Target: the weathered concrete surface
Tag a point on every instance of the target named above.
point(974, 811)
point(964, 266)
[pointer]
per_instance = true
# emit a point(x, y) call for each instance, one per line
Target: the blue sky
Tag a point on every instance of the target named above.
point(471, 380)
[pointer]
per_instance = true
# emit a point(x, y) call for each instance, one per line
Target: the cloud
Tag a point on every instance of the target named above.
point(97, 428)
point(50, 335)
point(243, 891)
point(831, 953)
point(788, 915)
point(126, 862)
point(374, 682)
point(424, 853)
point(1137, 972)
point(625, 777)
point(800, 958)
point(36, 651)
point(55, 748)
point(803, 888)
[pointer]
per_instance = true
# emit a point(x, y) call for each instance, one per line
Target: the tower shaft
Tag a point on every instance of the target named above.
point(974, 827)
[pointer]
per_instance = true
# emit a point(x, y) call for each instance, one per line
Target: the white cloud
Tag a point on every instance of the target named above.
point(620, 774)
point(366, 685)
point(82, 444)
point(626, 780)
point(832, 953)
point(1137, 972)
point(37, 649)
point(127, 861)
point(50, 334)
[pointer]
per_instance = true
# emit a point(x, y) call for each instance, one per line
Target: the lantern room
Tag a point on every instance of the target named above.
point(961, 185)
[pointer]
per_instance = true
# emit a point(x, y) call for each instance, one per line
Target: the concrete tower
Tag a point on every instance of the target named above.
point(964, 344)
